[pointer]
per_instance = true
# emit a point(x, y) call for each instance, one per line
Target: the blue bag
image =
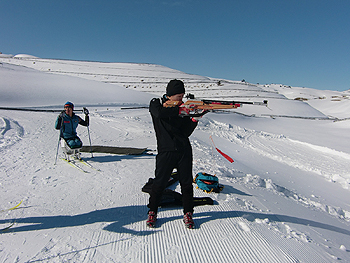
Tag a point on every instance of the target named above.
point(208, 183)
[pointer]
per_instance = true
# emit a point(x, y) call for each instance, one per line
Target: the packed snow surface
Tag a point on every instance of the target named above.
point(286, 196)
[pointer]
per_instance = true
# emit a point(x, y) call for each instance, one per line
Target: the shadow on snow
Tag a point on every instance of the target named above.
point(122, 217)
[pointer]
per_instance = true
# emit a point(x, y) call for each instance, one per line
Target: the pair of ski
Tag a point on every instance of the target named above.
point(75, 162)
point(11, 224)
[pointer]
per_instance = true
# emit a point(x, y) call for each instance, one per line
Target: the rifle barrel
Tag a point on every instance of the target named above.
point(234, 102)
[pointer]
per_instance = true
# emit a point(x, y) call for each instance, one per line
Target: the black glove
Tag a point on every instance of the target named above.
point(86, 111)
point(62, 114)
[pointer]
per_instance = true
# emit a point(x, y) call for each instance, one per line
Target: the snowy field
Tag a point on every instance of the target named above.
point(286, 196)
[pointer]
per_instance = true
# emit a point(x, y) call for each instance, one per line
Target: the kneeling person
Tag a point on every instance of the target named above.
point(68, 122)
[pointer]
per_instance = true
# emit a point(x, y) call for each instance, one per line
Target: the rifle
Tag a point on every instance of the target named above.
point(200, 107)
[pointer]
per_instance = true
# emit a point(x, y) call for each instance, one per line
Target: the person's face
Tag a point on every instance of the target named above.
point(69, 110)
point(177, 97)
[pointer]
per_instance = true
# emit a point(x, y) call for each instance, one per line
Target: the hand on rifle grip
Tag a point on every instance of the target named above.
point(186, 109)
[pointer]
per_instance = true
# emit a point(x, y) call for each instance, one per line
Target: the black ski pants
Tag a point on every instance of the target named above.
point(165, 163)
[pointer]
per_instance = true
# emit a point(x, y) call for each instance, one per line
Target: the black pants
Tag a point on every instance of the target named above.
point(165, 163)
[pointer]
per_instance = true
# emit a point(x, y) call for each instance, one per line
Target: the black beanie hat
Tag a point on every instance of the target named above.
point(175, 87)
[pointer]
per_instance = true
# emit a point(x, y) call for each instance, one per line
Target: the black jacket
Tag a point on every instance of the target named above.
point(172, 131)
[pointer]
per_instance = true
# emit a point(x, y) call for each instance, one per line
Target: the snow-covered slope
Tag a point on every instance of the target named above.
point(286, 196)
point(25, 87)
point(332, 103)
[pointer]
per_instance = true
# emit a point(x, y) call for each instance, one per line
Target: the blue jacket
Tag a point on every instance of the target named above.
point(69, 125)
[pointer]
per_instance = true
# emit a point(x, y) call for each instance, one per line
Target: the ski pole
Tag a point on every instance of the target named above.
point(59, 140)
point(86, 111)
point(90, 141)
point(58, 146)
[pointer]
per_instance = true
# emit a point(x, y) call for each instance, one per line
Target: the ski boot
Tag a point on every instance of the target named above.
point(77, 155)
point(152, 218)
point(188, 220)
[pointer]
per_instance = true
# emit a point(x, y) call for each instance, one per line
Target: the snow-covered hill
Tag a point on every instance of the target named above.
point(286, 196)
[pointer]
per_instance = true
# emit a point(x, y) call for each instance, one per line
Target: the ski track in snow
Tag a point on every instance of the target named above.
point(323, 161)
point(329, 163)
point(10, 132)
point(95, 228)
point(246, 242)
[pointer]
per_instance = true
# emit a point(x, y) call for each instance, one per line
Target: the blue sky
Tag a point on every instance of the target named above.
point(304, 43)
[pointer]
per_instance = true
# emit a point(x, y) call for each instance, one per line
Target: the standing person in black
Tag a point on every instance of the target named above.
point(174, 150)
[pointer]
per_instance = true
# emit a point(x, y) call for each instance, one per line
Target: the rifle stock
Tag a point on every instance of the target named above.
point(200, 107)
point(212, 104)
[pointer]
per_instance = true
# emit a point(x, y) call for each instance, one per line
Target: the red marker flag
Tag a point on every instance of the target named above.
point(225, 155)
point(228, 158)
